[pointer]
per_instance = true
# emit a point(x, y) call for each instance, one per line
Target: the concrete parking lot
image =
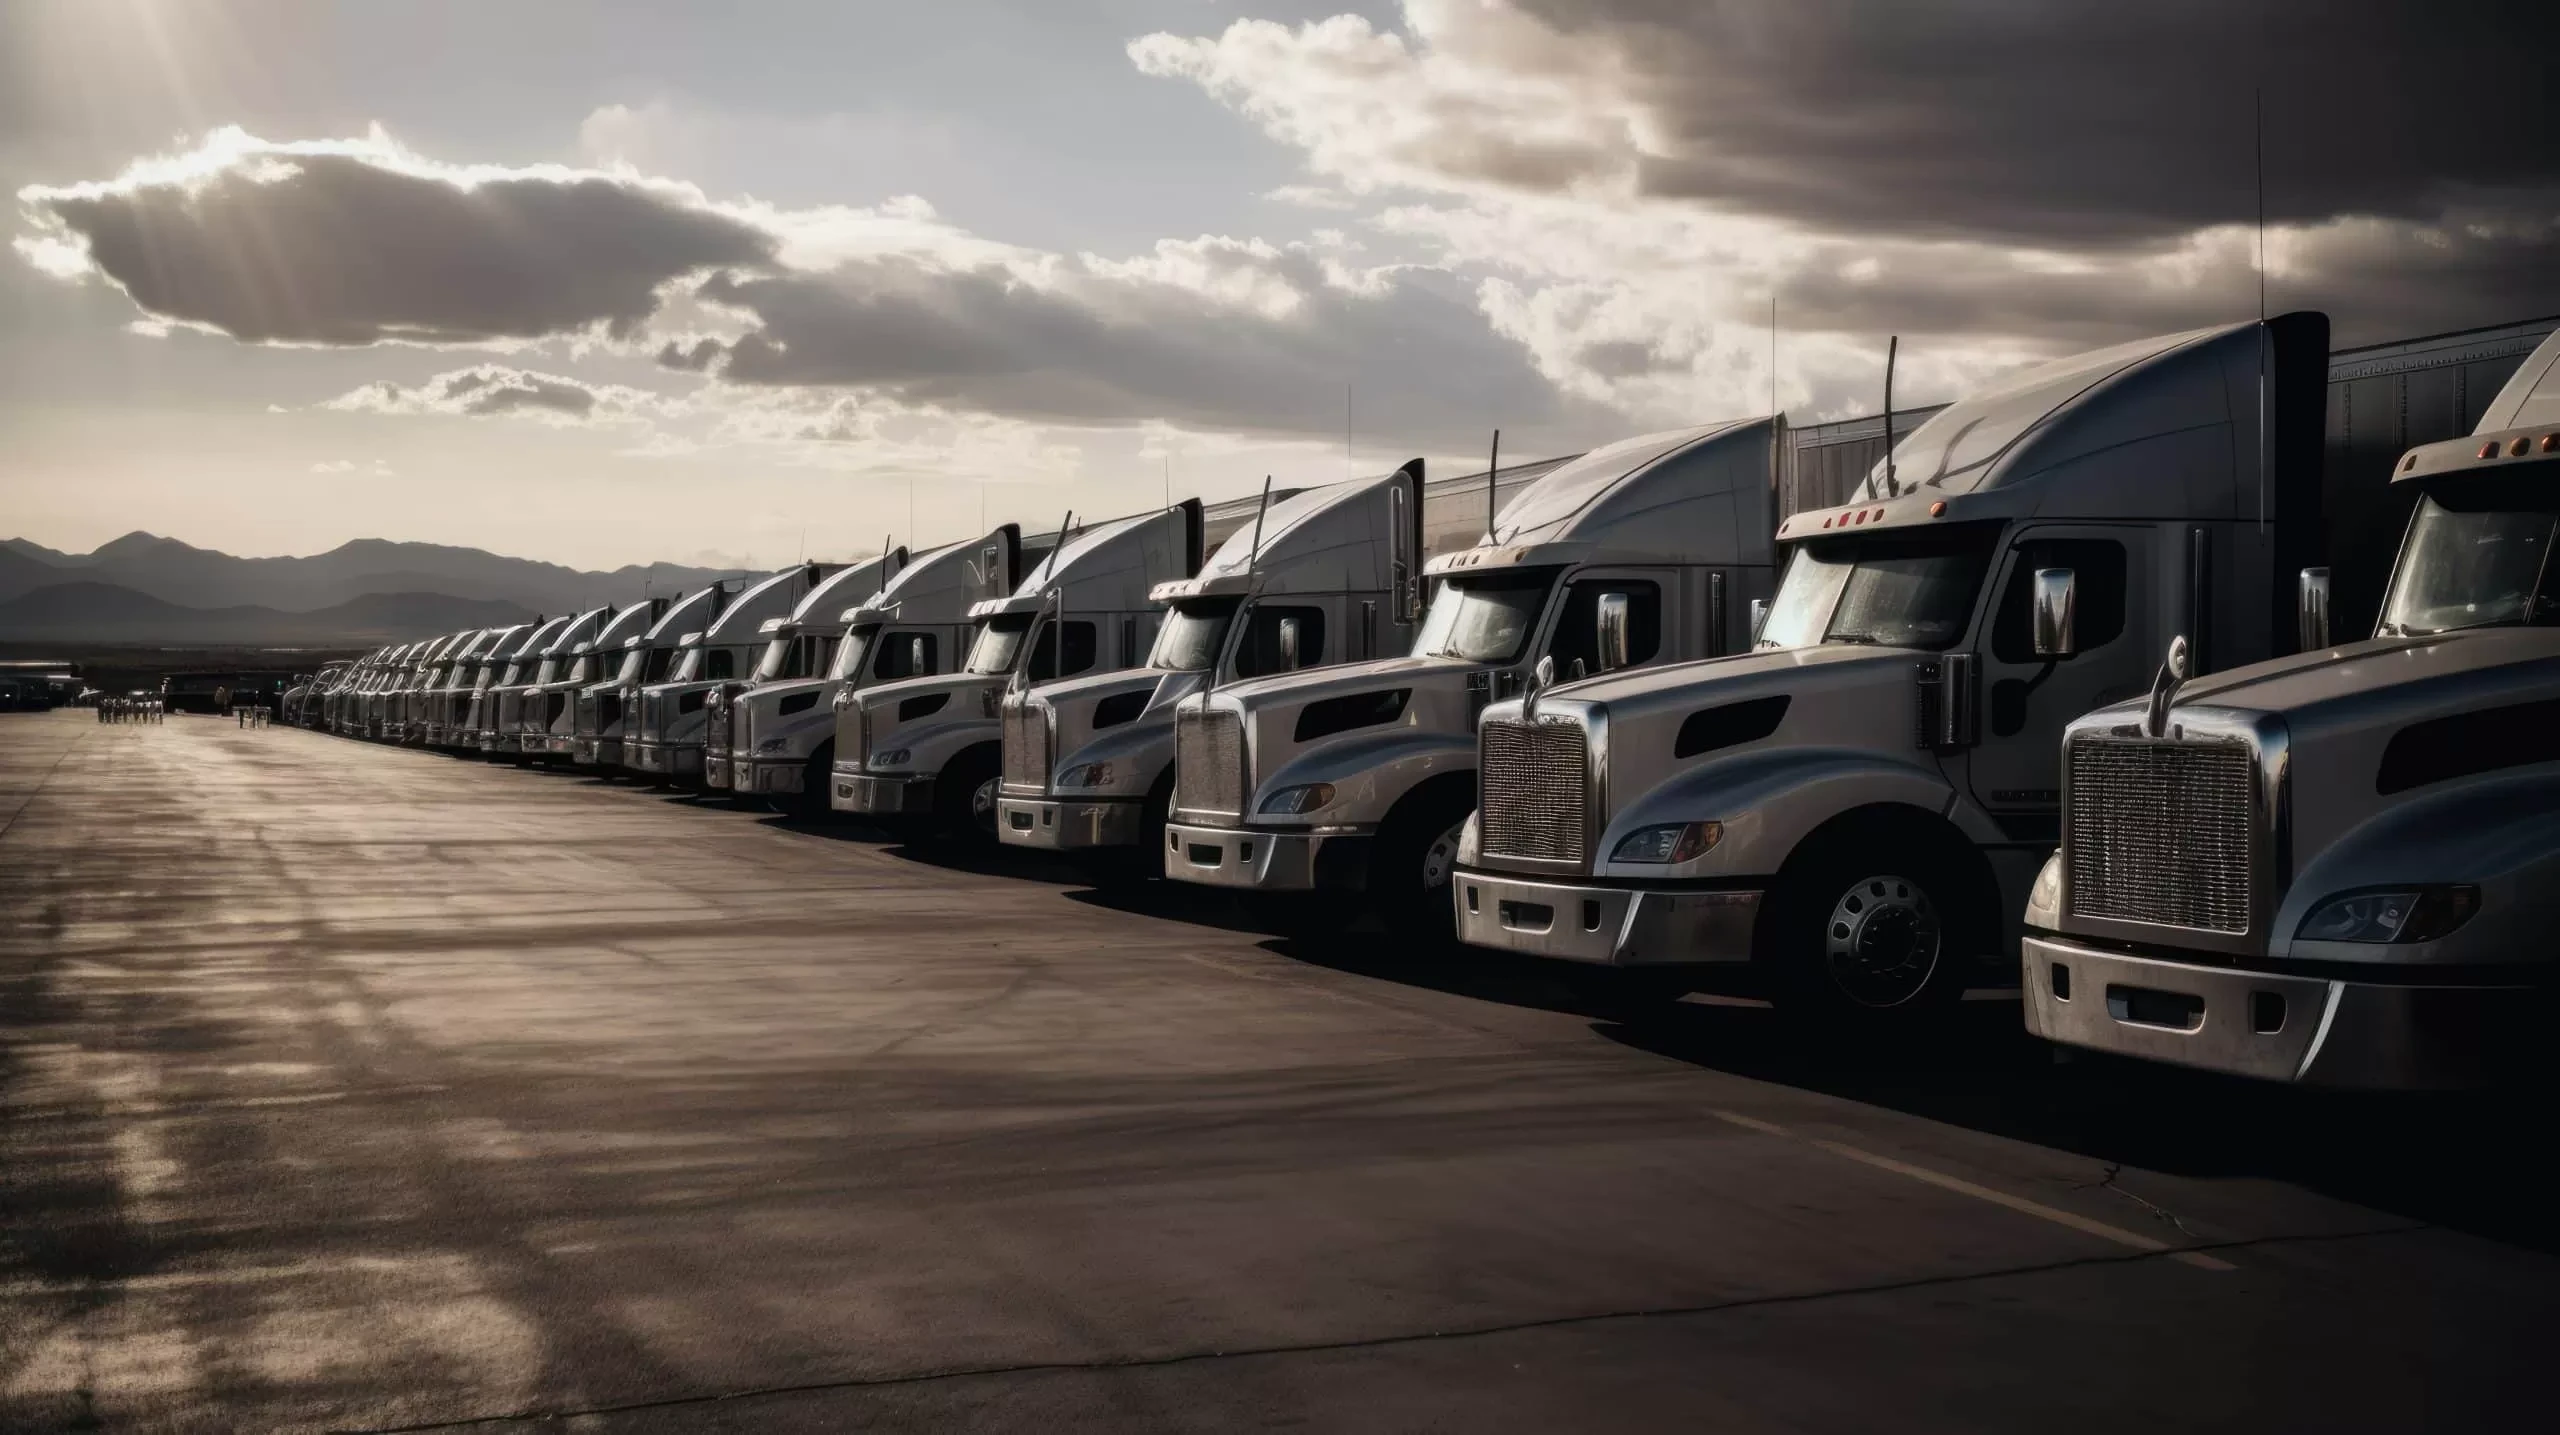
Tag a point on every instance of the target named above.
point(350, 1087)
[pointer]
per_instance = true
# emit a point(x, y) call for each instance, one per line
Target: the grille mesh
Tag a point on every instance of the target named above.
point(1208, 756)
point(1026, 746)
point(1534, 799)
point(2160, 832)
point(715, 726)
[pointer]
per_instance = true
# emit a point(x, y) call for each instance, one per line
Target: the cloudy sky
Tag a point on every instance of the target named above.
point(606, 283)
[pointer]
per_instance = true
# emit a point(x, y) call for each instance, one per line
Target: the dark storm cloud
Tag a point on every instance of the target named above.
point(356, 244)
point(2075, 123)
point(1094, 344)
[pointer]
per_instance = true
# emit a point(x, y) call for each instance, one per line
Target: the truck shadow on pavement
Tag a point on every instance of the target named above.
point(2449, 1160)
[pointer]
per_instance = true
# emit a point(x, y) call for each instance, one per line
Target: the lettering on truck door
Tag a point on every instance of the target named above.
point(2016, 769)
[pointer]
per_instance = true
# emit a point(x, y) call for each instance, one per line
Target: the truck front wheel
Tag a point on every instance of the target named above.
point(964, 798)
point(1415, 854)
point(1868, 931)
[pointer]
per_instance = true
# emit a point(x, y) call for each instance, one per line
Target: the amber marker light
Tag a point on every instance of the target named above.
point(2489, 449)
point(2516, 449)
point(1938, 509)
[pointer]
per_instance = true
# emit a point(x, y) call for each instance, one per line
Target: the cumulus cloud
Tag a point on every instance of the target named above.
point(362, 241)
point(494, 390)
point(337, 467)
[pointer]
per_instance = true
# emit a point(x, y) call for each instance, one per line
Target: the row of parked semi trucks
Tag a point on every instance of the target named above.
point(2050, 704)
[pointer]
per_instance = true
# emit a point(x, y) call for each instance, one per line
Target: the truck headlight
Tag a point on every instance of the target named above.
point(2417, 914)
point(1298, 801)
point(894, 757)
point(2044, 899)
point(1669, 842)
point(1088, 774)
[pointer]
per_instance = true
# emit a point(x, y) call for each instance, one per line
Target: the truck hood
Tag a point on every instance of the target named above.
point(967, 698)
point(1310, 684)
point(1686, 687)
point(1073, 706)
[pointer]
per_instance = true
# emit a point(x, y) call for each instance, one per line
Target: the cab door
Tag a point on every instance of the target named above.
point(2014, 770)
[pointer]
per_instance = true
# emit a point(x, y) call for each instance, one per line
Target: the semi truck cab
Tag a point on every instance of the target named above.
point(447, 698)
point(1847, 817)
point(1355, 778)
point(595, 663)
point(2340, 868)
point(1327, 576)
point(666, 737)
point(932, 746)
point(495, 715)
point(788, 685)
point(524, 717)
point(506, 664)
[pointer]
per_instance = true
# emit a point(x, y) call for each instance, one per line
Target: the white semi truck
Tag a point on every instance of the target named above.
point(490, 734)
point(1847, 818)
point(663, 739)
point(554, 706)
point(409, 668)
point(799, 650)
point(1327, 576)
point(537, 671)
point(2340, 868)
point(932, 747)
point(608, 712)
point(447, 698)
point(1315, 786)
point(784, 735)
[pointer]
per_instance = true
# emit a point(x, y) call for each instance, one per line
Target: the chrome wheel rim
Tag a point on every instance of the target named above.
point(1882, 941)
point(1440, 858)
point(982, 803)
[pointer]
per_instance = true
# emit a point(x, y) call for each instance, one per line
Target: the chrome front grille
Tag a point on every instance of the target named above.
point(1208, 762)
point(1534, 790)
point(715, 725)
point(1026, 746)
point(2161, 832)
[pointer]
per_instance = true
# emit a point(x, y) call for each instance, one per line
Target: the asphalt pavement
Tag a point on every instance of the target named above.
point(360, 1088)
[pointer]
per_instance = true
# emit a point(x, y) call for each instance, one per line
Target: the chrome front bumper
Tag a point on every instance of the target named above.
point(2276, 1027)
point(1061, 826)
point(1606, 926)
point(1244, 858)
point(879, 796)
point(715, 770)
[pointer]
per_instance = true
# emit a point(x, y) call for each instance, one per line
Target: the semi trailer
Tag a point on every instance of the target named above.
point(2339, 868)
point(663, 737)
point(932, 747)
point(1327, 576)
point(1354, 780)
point(591, 663)
point(1847, 818)
point(799, 649)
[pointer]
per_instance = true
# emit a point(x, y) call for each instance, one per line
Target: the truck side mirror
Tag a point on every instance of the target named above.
point(2311, 609)
point(2056, 595)
point(1612, 616)
point(1759, 617)
point(916, 658)
point(1289, 645)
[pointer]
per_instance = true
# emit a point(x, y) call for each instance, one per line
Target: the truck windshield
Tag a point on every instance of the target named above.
point(1897, 591)
point(1193, 633)
point(1484, 618)
point(776, 659)
point(688, 667)
point(999, 642)
point(660, 660)
point(2477, 556)
point(850, 653)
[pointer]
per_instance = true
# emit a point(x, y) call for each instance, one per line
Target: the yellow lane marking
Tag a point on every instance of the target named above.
point(2118, 1234)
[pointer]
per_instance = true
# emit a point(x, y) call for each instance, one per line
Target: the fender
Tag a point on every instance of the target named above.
point(2494, 831)
point(1372, 771)
point(1769, 799)
point(1139, 751)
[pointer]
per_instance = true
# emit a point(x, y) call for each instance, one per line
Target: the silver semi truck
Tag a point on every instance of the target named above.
point(492, 734)
point(663, 739)
point(1847, 818)
point(538, 672)
point(1328, 576)
point(2340, 868)
point(799, 649)
point(591, 663)
point(932, 747)
point(413, 664)
point(446, 700)
point(608, 712)
point(1356, 778)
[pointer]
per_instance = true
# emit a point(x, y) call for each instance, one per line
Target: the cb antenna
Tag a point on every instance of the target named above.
point(1492, 466)
point(1252, 561)
point(2258, 148)
point(1892, 351)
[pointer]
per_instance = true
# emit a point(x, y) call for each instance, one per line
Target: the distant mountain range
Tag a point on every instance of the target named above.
point(145, 588)
point(109, 613)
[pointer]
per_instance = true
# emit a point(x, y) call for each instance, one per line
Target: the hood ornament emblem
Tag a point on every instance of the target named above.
point(2164, 688)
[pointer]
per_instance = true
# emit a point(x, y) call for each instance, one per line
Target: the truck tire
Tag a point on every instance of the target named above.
point(1415, 853)
point(810, 803)
point(1871, 927)
point(1120, 867)
point(964, 798)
